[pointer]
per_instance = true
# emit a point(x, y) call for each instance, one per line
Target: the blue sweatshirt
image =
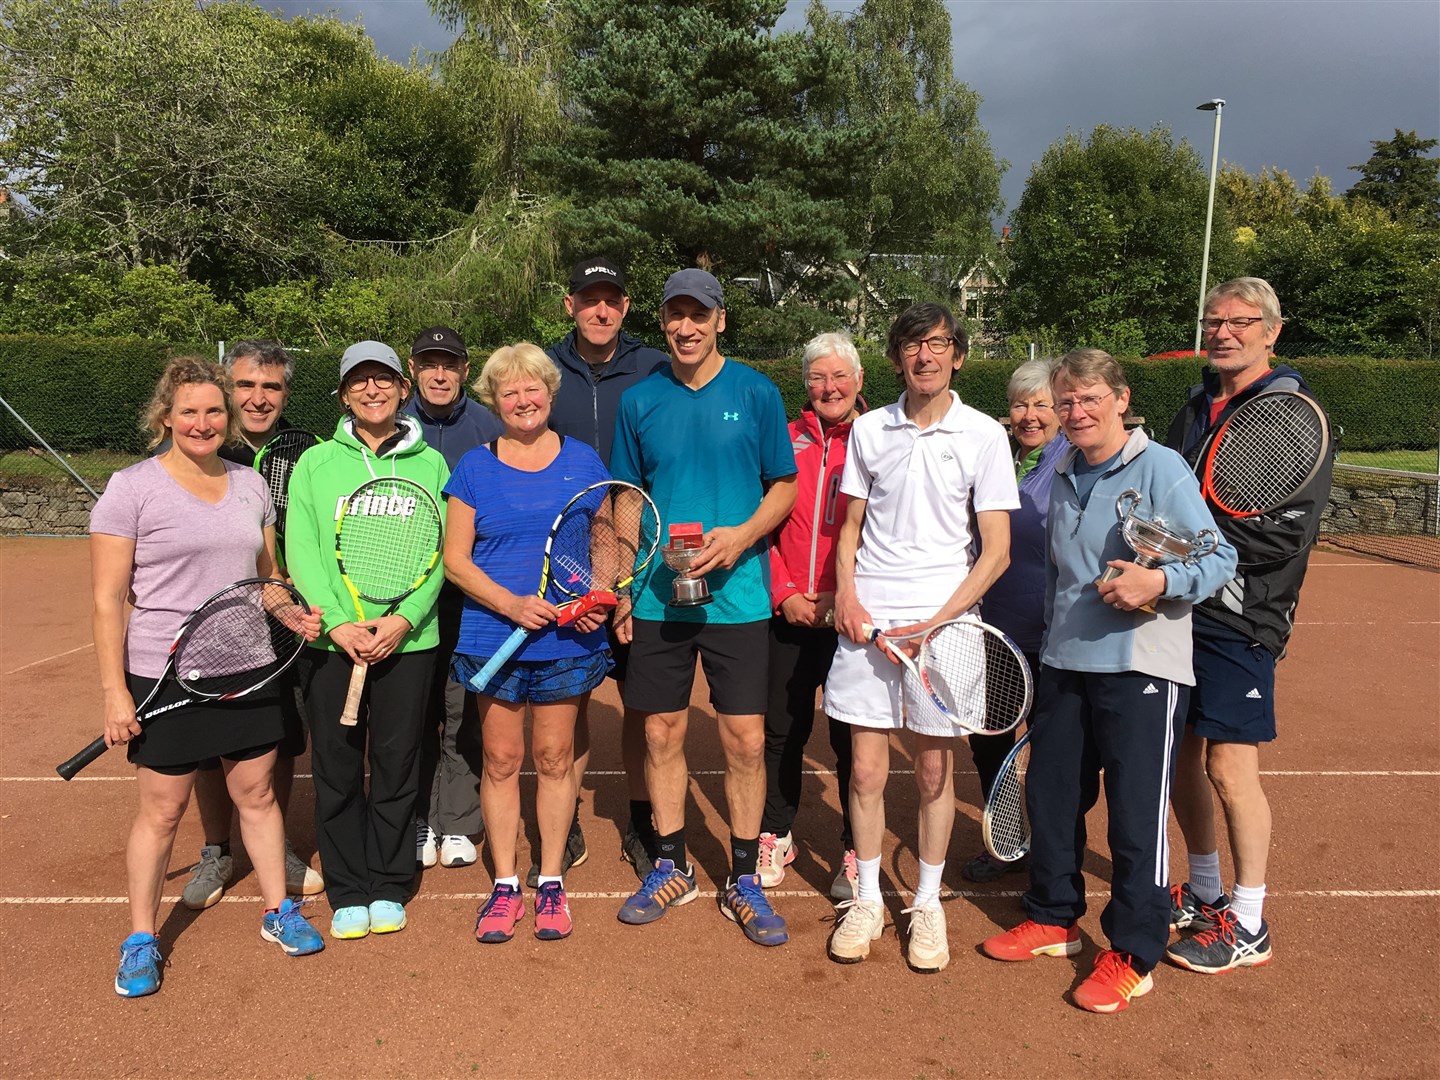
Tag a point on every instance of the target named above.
point(469, 425)
point(585, 407)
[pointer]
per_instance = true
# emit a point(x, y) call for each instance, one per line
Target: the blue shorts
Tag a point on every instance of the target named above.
point(1234, 695)
point(538, 682)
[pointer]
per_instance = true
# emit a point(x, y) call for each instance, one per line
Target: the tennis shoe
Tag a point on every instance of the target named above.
point(929, 950)
point(499, 914)
point(776, 853)
point(1189, 912)
point(427, 853)
point(846, 885)
point(1111, 984)
point(984, 868)
point(1226, 945)
point(863, 921)
point(349, 923)
point(552, 912)
point(456, 851)
point(300, 878)
point(139, 971)
point(664, 887)
point(207, 884)
point(744, 902)
point(291, 930)
point(1031, 939)
point(633, 851)
point(575, 854)
point(386, 916)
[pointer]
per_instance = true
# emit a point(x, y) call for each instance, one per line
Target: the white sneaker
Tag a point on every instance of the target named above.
point(929, 951)
point(456, 851)
point(862, 923)
point(425, 852)
point(776, 853)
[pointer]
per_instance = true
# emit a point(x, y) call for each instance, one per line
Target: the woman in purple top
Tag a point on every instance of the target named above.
point(166, 534)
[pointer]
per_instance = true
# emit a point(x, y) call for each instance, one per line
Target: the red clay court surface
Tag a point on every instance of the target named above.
point(1354, 989)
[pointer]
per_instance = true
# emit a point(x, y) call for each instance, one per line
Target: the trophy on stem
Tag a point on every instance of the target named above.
point(1155, 542)
point(687, 544)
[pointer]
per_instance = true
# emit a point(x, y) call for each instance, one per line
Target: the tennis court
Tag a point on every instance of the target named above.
point(1353, 991)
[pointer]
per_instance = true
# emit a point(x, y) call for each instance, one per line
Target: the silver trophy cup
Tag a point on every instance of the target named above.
point(686, 591)
point(1154, 542)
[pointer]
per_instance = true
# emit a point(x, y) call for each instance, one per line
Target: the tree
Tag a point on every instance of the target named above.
point(1107, 242)
point(1400, 178)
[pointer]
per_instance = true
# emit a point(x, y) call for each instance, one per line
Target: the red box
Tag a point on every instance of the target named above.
point(687, 536)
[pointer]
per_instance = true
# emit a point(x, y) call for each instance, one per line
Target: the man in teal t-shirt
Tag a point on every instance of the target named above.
point(707, 438)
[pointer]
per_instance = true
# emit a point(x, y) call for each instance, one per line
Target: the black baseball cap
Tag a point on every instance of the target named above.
point(440, 339)
point(596, 271)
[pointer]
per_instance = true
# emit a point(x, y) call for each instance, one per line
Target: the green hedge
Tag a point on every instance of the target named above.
point(84, 394)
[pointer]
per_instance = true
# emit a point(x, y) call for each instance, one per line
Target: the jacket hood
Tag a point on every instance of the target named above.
point(624, 359)
point(410, 443)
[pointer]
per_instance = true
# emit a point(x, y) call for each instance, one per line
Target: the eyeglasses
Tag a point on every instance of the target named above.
point(1238, 324)
point(1090, 402)
point(448, 365)
point(817, 380)
point(936, 345)
point(383, 380)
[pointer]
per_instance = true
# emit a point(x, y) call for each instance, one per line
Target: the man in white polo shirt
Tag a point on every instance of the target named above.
point(927, 531)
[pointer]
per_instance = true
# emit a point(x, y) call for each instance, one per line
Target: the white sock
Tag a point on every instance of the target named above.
point(1205, 876)
point(868, 885)
point(1247, 902)
point(543, 880)
point(928, 891)
point(513, 881)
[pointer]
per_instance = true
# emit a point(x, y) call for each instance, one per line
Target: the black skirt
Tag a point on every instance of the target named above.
point(203, 728)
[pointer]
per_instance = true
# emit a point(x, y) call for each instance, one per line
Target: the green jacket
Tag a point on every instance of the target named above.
point(322, 477)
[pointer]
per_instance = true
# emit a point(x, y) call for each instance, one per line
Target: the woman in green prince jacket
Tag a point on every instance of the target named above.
point(367, 844)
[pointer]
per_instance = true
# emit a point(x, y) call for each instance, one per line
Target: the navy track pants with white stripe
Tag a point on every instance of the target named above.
point(1129, 726)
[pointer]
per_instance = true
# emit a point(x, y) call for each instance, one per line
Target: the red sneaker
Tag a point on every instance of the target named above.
point(499, 914)
point(1031, 939)
point(1112, 984)
point(552, 912)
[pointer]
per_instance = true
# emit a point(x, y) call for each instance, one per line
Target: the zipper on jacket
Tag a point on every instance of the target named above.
point(819, 509)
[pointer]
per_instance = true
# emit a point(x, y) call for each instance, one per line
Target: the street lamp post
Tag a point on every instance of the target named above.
point(1217, 106)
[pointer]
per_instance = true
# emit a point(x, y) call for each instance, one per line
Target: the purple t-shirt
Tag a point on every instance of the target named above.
point(185, 549)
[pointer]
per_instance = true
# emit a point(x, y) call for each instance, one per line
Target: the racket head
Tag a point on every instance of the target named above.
point(239, 639)
point(1265, 453)
point(275, 461)
point(1005, 823)
point(976, 675)
point(605, 535)
point(387, 538)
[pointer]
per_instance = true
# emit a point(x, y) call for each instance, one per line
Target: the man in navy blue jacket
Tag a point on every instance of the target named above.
point(598, 362)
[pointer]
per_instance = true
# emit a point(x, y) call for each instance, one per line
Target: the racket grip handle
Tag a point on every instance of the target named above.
point(482, 677)
point(350, 715)
point(869, 631)
point(93, 752)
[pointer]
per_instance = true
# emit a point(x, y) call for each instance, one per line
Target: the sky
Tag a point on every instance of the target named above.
point(1308, 84)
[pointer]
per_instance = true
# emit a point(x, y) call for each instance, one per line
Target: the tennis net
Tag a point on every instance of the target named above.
point(1387, 513)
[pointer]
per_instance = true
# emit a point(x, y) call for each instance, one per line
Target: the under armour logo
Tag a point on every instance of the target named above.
point(731, 415)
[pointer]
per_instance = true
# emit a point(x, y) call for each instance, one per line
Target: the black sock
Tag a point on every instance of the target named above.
point(672, 846)
point(743, 856)
point(224, 847)
point(575, 821)
point(640, 810)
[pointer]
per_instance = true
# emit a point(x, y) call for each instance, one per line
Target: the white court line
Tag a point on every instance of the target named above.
point(57, 656)
point(786, 894)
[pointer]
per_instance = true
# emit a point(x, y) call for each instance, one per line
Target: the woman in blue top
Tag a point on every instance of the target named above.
point(502, 500)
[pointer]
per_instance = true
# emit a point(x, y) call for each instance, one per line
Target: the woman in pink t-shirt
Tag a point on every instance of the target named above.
point(166, 534)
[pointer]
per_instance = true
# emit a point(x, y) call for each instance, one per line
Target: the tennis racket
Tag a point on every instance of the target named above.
point(973, 673)
point(601, 539)
point(275, 461)
point(387, 542)
point(1005, 824)
point(234, 643)
point(1265, 453)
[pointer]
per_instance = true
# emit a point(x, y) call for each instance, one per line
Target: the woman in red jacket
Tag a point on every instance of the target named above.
point(802, 594)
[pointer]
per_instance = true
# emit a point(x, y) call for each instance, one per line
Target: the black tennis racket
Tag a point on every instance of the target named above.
point(601, 539)
point(972, 672)
point(1265, 453)
point(387, 542)
point(1005, 824)
point(234, 643)
point(275, 461)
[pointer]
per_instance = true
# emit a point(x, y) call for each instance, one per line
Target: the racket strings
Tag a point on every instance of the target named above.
point(1007, 823)
point(976, 677)
point(1266, 452)
point(388, 538)
point(599, 546)
point(238, 639)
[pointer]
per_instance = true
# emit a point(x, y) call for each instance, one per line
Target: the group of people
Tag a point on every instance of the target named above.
point(900, 517)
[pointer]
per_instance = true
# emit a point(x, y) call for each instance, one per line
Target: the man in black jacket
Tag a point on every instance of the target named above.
point(1239, 635)
point(598, 362)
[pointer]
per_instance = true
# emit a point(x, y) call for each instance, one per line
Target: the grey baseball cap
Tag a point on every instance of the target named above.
point(696, 284)
point(362, 351)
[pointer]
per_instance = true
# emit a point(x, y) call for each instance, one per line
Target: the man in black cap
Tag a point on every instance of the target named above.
point(598, 362)
point(447, 806)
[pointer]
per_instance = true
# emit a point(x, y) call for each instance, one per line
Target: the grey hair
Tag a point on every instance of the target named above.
point(1029, 379)
point(834, 343)
point(264, 353)
point(1252, 290)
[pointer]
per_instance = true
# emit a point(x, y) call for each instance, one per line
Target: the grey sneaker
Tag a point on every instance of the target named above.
point(575, 854)
point(846, 885)
point(632, 850)
point(300, 878)
point(212, 873)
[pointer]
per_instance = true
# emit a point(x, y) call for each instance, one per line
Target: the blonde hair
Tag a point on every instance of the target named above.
point(1085, 367)
point(521, 360)
point(1252, 290)
point(186, 371)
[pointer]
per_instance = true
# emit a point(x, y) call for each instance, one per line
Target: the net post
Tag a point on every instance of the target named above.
point(37, 437)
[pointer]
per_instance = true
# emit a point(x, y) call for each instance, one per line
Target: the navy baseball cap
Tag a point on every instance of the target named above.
point(696, 284)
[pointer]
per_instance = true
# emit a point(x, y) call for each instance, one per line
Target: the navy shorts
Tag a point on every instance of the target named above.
point(736, 658)
point(1234, 695)
point(539, 682)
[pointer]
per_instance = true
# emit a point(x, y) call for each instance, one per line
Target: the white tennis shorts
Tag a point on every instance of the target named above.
point(867, 689)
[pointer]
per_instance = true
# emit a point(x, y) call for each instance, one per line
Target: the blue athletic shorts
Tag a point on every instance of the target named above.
point(1234, 695)
point(538, 682)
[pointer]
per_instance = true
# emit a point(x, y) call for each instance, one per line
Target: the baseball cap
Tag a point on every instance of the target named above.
point(694, 283)
point(440, 339)
point(362, 351)
point(595, 271)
